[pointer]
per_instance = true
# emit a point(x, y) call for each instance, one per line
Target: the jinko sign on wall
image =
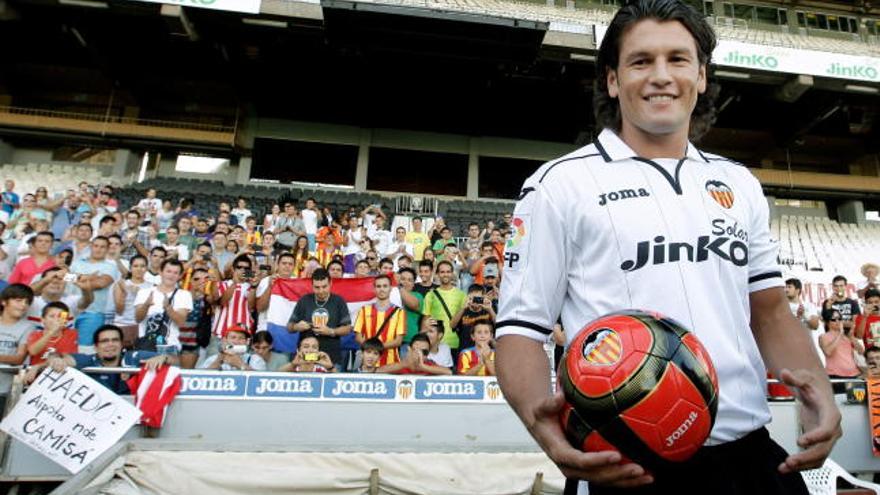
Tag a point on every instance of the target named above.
point(730, 53)
point(248, 6)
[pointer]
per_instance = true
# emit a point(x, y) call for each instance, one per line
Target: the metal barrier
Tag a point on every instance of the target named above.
point(233, 411)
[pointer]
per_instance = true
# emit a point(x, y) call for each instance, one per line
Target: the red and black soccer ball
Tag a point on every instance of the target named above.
point(639, 383)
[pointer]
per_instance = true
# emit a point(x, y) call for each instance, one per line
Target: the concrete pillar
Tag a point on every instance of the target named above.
point(473, 176)
point(851, 212)
point(363, 160)
point(125, 166)
point(6, 151)
point(166, 166)
point(244, 170)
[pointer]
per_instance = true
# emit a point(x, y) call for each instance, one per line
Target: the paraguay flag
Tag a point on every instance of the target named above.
point(286, 292)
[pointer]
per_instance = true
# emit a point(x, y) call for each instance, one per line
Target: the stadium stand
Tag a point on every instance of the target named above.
point(809, 243)
point(29, 176)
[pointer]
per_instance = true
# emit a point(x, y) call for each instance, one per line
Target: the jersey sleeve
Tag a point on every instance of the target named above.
point(397, 325)
point(535, 282)
point(764, 271)
point(359, 321)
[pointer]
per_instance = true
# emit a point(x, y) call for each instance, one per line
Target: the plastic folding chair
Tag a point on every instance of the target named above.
point(823, 481)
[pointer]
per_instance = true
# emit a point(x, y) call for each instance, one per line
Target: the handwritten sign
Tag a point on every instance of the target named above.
point(69, 418)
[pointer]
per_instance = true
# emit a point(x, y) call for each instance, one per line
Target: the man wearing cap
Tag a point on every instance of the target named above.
point(870, 272)
point(491, 278)
point(234, 353)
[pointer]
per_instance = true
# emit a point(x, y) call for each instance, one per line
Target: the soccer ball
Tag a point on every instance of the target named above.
point(639, 383)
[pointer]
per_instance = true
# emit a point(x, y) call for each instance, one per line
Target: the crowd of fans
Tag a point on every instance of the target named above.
point(849, 342)
point(87, 281)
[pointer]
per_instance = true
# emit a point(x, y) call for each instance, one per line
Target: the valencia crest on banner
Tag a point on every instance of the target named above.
point(404, 389)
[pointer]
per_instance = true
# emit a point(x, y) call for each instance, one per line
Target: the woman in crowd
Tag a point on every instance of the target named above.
point(124, 292)
point(300, 255)
point(271, 217)
point(839, 347)
point(42, 197)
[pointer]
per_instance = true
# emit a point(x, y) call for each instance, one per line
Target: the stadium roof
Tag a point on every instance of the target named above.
point(380, 64)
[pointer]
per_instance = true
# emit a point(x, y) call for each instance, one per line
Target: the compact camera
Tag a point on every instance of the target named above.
point(235, 349)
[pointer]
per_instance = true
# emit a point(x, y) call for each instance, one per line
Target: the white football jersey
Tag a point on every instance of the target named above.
point(602, 229)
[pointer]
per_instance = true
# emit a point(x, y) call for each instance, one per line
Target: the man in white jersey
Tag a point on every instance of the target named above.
point(602, 228)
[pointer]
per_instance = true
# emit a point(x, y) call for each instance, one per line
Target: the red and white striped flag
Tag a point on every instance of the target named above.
point(154, 391)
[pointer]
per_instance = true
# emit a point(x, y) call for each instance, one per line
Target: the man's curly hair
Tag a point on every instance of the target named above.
point(607, 109)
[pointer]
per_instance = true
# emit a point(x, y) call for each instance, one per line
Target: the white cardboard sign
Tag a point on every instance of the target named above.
point(69, 418)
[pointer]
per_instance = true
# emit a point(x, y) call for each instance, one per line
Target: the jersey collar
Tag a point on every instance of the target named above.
point(613, 149)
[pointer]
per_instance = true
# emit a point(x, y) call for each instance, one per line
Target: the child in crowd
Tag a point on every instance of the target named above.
point(371, 352)
point(438, 351)
point(309, 358)
point(478, 360)
point(417, 361)
point(55, 337)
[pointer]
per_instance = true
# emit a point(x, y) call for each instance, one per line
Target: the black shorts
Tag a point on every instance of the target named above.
point(748, 466)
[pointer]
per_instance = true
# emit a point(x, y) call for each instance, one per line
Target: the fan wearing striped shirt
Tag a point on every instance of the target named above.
point(235, 299)
point(383, 320)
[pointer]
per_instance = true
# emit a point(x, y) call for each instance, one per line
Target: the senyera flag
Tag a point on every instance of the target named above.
point(287, 291)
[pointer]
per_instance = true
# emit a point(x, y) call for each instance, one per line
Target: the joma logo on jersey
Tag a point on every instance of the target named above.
point(662, 252)
point(613, 196)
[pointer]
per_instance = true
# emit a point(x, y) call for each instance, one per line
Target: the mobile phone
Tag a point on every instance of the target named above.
point(478, 299)
point(206, 257)
point(70, 277)
point(310, 356)
point(63, 316)
point(248, 274)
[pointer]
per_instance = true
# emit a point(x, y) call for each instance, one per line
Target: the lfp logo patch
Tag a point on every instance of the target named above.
point(519, 231)
point(603, 347)
point(721, 193)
